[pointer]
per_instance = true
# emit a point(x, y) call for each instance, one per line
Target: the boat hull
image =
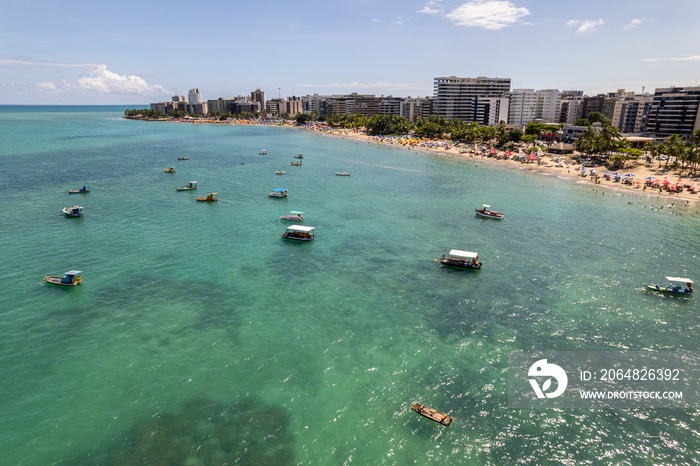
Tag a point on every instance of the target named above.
point(665, 289)
point(488, 215)
point(457, 264)
point(292, 217)
point(297, 238)
point(54, 280)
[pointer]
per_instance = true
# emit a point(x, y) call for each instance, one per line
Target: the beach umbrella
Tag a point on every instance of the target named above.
point(650, 178)
point(629, 174)
point(583, 169)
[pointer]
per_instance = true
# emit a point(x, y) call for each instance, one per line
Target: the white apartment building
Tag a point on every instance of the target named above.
point(548, 105)
point(456, 97)
point(194, 97)
point(522, 107)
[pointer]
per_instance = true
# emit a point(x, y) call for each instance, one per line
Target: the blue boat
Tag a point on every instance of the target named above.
point(278, 192)
point(674, 289)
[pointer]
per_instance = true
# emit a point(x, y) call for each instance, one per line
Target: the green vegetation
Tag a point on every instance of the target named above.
point(144, 113)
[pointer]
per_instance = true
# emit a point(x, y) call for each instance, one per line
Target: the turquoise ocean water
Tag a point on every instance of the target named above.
point(199, 336)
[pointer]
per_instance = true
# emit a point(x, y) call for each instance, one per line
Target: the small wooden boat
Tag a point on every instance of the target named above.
point(300, 156)
point(485, 212)
point(674, 289)
point(211, 197)
point(262, 152)
point(84, 189)
point(183, 158)
point(293, 215)
point(188, 187)
point(70, 278)
point(278, 192)
point(342, 173)
point(169, 170)
point(280, 172)
point(298, 164)
point(433, 414)
point(75, 211)
point(299, 233)
point(461, 259)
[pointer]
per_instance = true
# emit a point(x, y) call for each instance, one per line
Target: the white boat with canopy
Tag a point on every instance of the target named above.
point(461, 259)
point(299, 233)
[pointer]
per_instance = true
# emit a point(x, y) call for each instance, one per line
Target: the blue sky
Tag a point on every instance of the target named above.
point(136, 52)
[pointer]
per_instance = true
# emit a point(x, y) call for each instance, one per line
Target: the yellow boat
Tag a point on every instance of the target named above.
point(169, 170)
point(211, 197)
point(70, 278)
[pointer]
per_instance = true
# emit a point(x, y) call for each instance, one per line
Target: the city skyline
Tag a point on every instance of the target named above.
point(82, 53)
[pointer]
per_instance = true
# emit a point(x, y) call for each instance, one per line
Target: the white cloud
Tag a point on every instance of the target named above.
point(376, 20)
point(428, 8)
point(585, 26)
point(103, 81)
point(689, 58)
point(487, 14)
point(632, 24)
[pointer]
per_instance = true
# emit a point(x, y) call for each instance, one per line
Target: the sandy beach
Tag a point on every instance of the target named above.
point(546, 166)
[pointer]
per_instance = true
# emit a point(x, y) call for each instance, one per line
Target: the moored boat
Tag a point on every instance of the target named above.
point(75, 211)
point(84, 189)
point(433, 414)
point(461, 259)
point(278, 192)
point(280, 172)
point(211, 197)
point(169, 170)
point(262, 152)
point(342, 173)
point(674, 289)
point(298, 164)
point(183, 158)
point(300, 156)
point(70, 278)
point(486, 212)
point(299, 233)
point(188, 187)
point(293, 215)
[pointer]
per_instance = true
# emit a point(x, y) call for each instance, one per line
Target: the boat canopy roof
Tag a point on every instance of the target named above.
point(679, 279)
point(279, 189)
point(464, 254)
point(486, 205)
point(300, 228)
point(295, 212)
point(74, 272)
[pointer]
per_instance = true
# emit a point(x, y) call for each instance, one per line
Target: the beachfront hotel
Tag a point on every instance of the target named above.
point(457, 97)
point(674, 110)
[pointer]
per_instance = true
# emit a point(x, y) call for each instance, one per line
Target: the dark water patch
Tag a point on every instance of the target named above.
point(204, 432)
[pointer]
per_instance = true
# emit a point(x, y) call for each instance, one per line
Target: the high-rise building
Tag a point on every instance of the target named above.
point(674, 110)
point(420, 107)
point(456, 97)
point(194, 97)
point(259, 97)
point(522, 107)
point(631, 115)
